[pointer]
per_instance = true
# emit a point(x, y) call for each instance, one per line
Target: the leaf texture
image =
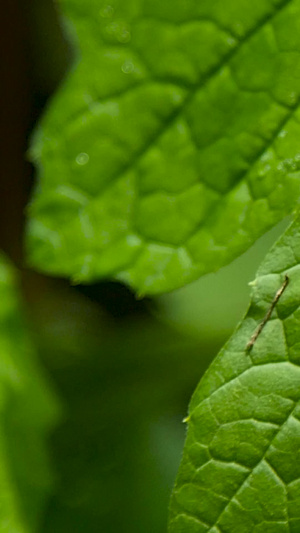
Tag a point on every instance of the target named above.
point(240, 472)
point(173, 143)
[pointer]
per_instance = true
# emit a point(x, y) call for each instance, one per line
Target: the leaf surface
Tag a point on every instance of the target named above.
point(173, 143)
point(240, 471)
point(27, 411)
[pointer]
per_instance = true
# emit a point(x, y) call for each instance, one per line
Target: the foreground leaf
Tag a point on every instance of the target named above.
point(27, 412)
point(240, 471)
point(174, 142)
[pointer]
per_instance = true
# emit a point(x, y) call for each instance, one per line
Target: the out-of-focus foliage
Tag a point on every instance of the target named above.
point(27, 413)
point(124, 384)
point(173, 143)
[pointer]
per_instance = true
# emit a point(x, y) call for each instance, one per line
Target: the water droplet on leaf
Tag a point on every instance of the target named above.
point(282, 133)
point(127, 67)
point(107, 11)
point(119, 30)
point(82, 158)
point(124, 36)
point(112, 28)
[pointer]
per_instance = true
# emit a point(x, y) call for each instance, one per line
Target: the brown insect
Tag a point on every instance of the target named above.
point(267, 316)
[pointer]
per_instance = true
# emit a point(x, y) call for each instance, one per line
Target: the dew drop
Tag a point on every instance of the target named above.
point(107, 11)
point(119, 30)
point(112, 28)
point(127, 67)
point(124, 36)
point(82, 158)
point(282, 134)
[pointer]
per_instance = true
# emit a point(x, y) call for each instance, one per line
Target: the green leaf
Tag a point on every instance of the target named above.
point(27, 412)
point(174, 142)
point(240, 471)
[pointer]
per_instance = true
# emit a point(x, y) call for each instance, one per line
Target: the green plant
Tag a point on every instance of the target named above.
point(170, 147)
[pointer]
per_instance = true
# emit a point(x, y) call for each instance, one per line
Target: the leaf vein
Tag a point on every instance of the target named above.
point(250, 473)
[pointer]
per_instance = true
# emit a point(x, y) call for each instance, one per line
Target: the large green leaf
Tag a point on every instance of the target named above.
point(240, 471)
point(27, 411)
point(173, 143)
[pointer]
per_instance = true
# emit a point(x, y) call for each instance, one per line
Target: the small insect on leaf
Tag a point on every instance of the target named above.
point(267, 316)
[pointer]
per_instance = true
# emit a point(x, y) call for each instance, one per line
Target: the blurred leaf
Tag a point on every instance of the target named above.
point(240, 470)
point(173, 143)
point(125, 384)
point(27, 413)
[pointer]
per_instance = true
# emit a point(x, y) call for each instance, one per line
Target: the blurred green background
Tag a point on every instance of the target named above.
point(123, 369)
